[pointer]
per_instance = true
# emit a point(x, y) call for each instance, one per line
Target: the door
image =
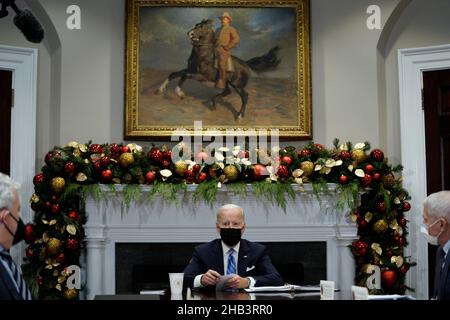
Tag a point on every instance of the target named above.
point(436, 93)
point(5, 120)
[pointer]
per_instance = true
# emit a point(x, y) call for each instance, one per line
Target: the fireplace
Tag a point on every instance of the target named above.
point(145, 265)
point(120, 242)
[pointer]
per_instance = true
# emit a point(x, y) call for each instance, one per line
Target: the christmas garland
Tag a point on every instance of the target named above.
point(365, 181)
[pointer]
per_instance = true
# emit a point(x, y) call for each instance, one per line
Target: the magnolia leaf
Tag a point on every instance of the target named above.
point(359, 173)
point(359, 145)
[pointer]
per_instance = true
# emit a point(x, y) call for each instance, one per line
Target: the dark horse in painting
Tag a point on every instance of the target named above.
point(201, 66)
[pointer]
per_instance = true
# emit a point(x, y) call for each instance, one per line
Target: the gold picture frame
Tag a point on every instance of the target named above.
point(158, 44)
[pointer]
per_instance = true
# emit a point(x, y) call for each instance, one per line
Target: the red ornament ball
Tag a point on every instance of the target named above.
point(406, 206)
point(97, 166)
point(377, 155)
point(156, 155)
point(61, 258)
point(95, 148)
point(404, 268)
point(150, 177)
point(105, 161)
point(369, 168)
point(114, 148)
point(30, 253)
point(201, 177)
point(345, 154)
point(283, 171)
point(286, 160)
point(166, 164)
point(360, 247)
point(402, 222)
point(125, 149)
point(55, 208)
point(196, 168)
point(388, 278)
point(366, 180)
point(259, 171)
point(304, 153)
point(343, 179)
point(72, 244)
point(401, 242)
point(376, 177)
point(381, 206)
point(362, 223)
point(190, 175)
point(38, 179)
point(167, 155)
point(107, 175)
point(69, 167)
point(72, 214)
point(29, 233)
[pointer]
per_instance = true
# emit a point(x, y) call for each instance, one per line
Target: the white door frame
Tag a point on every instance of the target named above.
point(412, 63)
point(23, 62)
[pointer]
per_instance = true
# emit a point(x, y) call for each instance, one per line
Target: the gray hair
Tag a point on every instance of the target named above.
point(437, 205)
point(230, 207)
point(6, 191)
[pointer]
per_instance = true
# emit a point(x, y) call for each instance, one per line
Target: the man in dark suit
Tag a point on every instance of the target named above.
point(247, 262)
point(12, 231)
point(436, 218)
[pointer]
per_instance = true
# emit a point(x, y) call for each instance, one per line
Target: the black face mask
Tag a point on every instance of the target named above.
point(20, 231)
point(230, 236)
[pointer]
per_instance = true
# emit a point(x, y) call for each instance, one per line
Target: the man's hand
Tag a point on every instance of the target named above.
point(237, 282)
point(210, 278)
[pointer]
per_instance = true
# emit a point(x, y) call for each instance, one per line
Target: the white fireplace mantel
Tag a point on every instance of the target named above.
point(305, 219)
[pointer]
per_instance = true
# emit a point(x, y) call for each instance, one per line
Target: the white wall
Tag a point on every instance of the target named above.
point(422, 24)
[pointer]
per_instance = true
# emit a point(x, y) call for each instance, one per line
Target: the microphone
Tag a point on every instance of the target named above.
point(29, 25)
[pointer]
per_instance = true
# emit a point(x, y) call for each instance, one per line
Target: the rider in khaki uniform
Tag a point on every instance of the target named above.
point(227, 38)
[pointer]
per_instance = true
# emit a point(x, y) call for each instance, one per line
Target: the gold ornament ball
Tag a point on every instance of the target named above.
point(231, 172)
point(359, 155)
point(70, 294)
point(380, 226)
point(126, 160)
point(53, 246)
point(307, 167)
point(57, 184)
point(181, 168)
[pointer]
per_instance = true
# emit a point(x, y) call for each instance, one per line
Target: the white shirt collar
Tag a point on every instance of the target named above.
point(446, 247)
point(226, 248)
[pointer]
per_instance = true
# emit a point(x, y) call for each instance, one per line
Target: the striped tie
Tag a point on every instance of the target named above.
point(231, 267)
point(17, 276)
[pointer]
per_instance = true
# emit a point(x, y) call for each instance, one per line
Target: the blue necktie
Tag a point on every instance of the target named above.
point(17, 276)
point(231, 267)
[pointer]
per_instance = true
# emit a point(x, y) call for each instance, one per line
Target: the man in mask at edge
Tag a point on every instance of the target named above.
point(247, 261)
point(12, 231)
point(436, 219)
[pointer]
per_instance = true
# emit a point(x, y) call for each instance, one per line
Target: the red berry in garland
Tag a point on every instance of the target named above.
point(406, 206)
point(404, 268)
point(388, 278)
point(97, 166)
point(38, 179)
point(72, 214)
point(360, 247)
point(72, 244)
point(69, 167)
point(304, 153)
point(343, 179)
point(377, 155)
point(362, 223)
point(401, 242)
point(96, 148)
point(167, 155)
point(150, 177)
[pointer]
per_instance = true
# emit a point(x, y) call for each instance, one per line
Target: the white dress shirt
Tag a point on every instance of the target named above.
point(225, 249)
